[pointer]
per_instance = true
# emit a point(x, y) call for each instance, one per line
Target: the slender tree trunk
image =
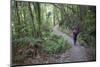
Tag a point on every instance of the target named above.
point(32, 17)
point(18, 18)
point(37, 9)
point(54, 15)
point(39, 19)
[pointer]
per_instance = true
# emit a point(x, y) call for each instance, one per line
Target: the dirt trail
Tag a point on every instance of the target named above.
point(76, 53)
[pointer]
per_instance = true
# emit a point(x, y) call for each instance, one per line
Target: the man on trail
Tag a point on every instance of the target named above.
point(75, 34)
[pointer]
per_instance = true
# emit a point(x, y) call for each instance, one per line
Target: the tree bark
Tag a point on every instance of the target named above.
point(32, 17)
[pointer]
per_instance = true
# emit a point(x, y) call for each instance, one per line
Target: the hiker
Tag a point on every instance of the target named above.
point(75, 34)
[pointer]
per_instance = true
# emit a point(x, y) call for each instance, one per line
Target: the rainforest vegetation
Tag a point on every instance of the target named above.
point(35, 25)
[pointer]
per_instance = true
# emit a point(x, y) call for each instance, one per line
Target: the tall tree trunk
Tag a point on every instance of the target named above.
point(18, 19)
point(32, 17)
point(54, 10)
point(38, 17)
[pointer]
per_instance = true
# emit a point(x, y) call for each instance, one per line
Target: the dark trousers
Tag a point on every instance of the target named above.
point(75, 39)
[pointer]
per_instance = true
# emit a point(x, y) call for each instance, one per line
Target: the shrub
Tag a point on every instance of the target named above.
point(55, 44)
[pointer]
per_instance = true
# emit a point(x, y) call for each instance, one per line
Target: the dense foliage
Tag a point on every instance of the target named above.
point(32, 25)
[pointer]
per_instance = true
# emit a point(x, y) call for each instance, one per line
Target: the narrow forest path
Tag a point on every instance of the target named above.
point(76, 53)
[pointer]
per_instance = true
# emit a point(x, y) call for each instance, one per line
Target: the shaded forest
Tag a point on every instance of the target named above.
point(33, 24)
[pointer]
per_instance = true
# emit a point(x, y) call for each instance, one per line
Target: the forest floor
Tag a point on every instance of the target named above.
point(77, 53)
